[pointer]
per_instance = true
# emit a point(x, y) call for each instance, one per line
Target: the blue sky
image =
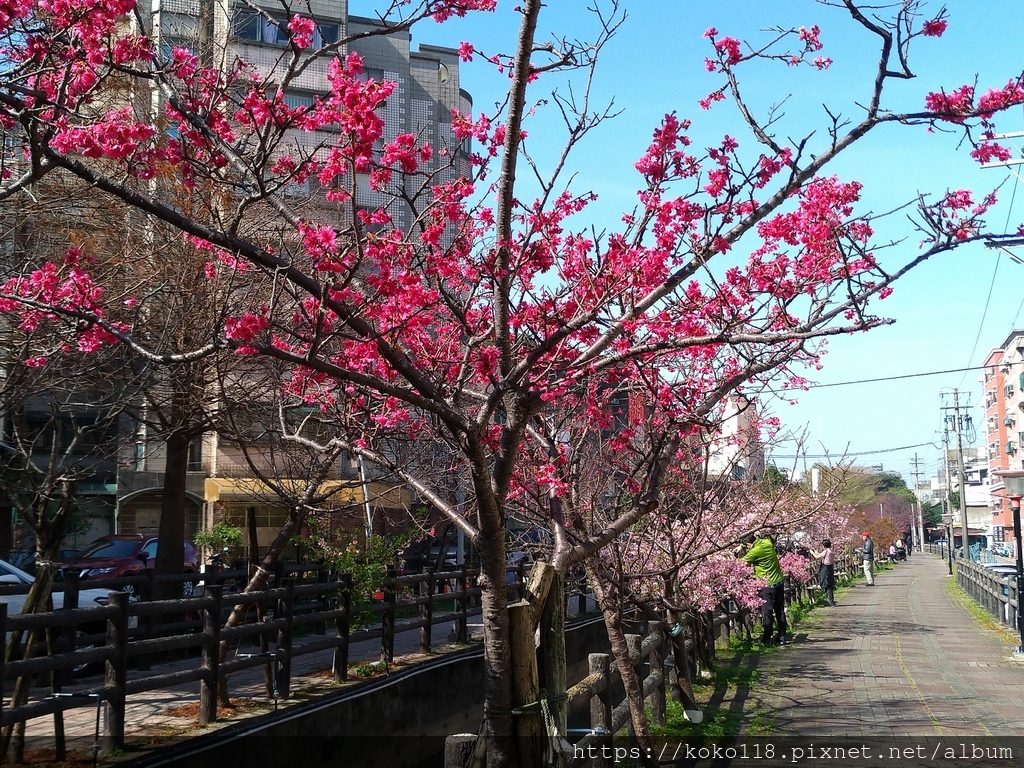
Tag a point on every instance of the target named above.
point(949, 314)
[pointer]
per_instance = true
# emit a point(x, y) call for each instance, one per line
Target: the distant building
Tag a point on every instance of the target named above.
point(738, 452)
point(1003, 385)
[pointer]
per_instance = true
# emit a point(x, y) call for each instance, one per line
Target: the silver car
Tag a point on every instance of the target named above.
point(15, 602)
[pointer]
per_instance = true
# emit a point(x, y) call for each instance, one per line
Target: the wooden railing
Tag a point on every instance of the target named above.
point(997, 593)
point(651, 654)
point(132, 630)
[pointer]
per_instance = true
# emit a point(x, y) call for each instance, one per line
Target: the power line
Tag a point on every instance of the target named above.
point(843, 455)
point(895, 378)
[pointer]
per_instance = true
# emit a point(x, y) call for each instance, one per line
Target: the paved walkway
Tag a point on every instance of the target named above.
point(901, 659)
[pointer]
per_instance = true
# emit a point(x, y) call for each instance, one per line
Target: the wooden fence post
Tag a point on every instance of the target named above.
point(147, 592)
point(601, 709)
point(426, 591)
point(530, 731)
point(285, 610)
point(322, 578)
point(341, 629)
point(633, 643)
point(116, 677)
point(462, 631)
point(552, 649)
point(459, 749)
point(211, 654)
point(656, 701)
point(387, 618)
point(3, 661)
point(69, 637)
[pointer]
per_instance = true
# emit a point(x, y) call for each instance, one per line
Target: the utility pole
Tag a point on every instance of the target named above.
point(956, 422)
point(960, 475)
point(918, 528)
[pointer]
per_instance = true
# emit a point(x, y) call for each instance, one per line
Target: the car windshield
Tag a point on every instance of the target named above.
point(6, 569)
point(110, 549)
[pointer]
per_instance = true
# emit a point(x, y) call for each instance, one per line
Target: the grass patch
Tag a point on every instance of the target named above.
point(732, 682)
point(762, 723)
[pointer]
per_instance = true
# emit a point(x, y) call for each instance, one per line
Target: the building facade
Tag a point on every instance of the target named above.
point(1003, 384)
point(221, 483)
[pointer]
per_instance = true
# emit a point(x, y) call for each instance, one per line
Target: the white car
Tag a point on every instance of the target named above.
point(87, 598)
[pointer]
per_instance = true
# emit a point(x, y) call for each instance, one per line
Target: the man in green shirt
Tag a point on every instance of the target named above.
point(760, 553)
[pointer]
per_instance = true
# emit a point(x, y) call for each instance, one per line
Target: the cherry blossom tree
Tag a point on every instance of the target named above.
point(492, 310)
point(681, 560)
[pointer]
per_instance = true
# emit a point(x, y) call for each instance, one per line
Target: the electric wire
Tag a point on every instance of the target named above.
point(992, 284)
point(895, 378)
point(844, 455)
point(984, 312)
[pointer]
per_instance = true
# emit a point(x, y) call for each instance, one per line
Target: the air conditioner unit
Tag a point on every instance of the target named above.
point(1009, 421)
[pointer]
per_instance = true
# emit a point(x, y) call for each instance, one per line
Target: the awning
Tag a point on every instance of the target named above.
point(342, 492)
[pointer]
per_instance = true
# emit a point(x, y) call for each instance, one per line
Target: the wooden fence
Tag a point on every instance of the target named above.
point(127, 634)
point(996, 592)
point(132, 630)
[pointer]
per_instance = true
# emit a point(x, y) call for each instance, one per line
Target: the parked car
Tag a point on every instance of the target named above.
point(117, 555)
point(1001, 568)
point(26, 559)
point(11, 576)
point(15, 601)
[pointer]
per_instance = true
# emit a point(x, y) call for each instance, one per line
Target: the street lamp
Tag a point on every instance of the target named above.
point(1013, 481)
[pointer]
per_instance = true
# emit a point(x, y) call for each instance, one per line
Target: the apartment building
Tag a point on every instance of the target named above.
point(1003, 385)
point(738, 453)
point(221, 482)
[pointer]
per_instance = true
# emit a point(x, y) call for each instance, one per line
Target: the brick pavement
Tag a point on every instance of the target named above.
point(901, 659)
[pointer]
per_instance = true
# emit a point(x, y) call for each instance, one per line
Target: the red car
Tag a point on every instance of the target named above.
point(123, 554)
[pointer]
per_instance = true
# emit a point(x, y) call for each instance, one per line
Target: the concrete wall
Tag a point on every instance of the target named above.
point(398, 722)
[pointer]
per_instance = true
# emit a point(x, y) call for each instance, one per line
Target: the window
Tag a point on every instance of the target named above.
point(257, 28)
point(1011, 447)
point(297, 100)
point(195, 455)
point(371, 73)
point(1008, 390)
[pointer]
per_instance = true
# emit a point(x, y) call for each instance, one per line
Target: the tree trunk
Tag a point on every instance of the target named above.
point(170, 551)
point(38, 599)
point(497, 648)
point(257, 581)
point(630, 681)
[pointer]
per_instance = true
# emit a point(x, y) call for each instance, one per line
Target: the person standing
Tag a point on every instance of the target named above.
point(827, 570)
point(760, 553)
point(868, 552)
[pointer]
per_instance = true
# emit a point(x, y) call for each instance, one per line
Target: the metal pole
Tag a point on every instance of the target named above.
point(1015, 506)
point(949, 546)
point(960, 475)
